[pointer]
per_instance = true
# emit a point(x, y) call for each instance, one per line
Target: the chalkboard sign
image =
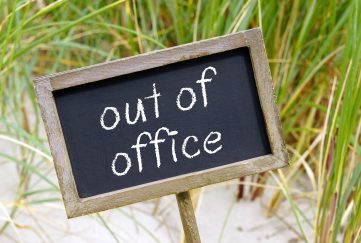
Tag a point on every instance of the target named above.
point(161, 123)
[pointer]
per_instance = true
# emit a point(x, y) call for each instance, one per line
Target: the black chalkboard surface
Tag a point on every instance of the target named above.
point(163, 122)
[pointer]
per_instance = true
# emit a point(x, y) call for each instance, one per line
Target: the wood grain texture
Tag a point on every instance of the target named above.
point(188, 218)
point(75, 206)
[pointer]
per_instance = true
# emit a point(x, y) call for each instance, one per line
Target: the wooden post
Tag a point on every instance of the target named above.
point(186, 212)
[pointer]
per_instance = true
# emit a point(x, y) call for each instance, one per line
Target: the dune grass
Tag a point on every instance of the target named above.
point(314, 50)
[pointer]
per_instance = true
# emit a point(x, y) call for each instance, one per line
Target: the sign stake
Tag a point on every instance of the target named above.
point(186, 212)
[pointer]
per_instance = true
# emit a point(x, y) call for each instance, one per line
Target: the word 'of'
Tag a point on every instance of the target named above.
point(212, 138)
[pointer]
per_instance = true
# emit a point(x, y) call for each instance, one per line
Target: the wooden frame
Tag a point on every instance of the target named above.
point(75, 206)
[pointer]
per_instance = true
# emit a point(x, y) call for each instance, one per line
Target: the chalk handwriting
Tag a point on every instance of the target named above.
point(191, 146)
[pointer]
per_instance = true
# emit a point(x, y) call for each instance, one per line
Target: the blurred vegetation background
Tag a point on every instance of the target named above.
point(314, 50)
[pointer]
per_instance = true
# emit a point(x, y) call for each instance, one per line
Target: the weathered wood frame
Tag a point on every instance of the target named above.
point(75, 206)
